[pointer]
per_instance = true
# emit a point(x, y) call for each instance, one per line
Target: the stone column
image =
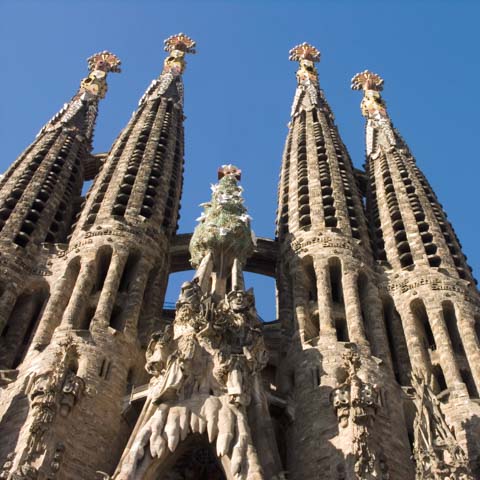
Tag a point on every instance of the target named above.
point(416, 350)
point(7, 302)
point(106, 302)
point(444, 346)
point(53, 310)
point(80, 295)
point(353, 310)
point(374, 317)
point(135, 297)
point(300, 305)
point(466, 327)
point(325, 304)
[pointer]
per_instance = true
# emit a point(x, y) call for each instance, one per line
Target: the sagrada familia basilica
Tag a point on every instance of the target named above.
point(371, 371)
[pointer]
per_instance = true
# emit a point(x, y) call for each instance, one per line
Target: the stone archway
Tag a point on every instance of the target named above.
point(194, 459)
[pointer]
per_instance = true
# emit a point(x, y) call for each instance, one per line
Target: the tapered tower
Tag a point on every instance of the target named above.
point(38, 194)
point(329, 304)
point(430, 284)
point(109, 288)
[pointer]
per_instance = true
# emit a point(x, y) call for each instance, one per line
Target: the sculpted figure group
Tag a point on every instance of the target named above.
point(205, 368)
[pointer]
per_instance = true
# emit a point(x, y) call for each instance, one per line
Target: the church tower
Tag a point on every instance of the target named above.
point(329, 305)
point(370, 372)
point(430, 291)
point(108, 290)
point(38, 196)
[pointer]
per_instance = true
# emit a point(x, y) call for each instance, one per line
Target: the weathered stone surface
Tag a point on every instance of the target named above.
point(97, 380)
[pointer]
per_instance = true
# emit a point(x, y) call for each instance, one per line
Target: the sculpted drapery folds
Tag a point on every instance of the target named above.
point(206, 365)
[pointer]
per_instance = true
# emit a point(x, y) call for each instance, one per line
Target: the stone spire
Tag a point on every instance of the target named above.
point(38, 190)
point(206, 365)
point(408, 223)
point(150, 150)
point(428, 279)
point(108, 294)
point(328, 296)
point(317, 189)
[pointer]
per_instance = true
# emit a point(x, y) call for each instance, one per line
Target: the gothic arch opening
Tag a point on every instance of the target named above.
point(362, 289)
point(336, 288)
point(129, 272)
point(477, 328)
point(104, 257)
point(440, 384)
point(469, 382)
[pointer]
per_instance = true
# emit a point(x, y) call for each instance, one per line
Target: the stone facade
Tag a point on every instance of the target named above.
point(372, 370)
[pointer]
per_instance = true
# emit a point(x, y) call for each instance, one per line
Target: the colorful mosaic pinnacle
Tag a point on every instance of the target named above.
point(105, 61)
point(99, 65)
point(180, 42)
point(306, 55)
point(367, 80)
point(372, 104)
point(177, 45)
point(304, 51)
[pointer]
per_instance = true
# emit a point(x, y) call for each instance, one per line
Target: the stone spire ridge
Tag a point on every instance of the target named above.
point(81, 112)
point(413, 229)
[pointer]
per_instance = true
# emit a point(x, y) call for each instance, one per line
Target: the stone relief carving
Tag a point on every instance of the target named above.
point(52, 392)
point(206, 365)
point(437, 453)
point(205, 368)
point(356, 403)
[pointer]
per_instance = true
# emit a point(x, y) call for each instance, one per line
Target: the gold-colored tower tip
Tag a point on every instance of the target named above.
point(104, 61)
point(180, 42)
point(304, 51)
point(367, 81)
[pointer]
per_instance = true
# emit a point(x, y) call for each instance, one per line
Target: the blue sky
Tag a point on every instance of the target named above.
point(240, 85)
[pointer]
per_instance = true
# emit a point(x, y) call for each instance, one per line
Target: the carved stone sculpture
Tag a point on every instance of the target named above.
point(205, 366)
point(356, 403)
point(437, 453)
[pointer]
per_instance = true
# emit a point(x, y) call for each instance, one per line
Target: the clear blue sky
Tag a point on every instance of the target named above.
point(240, 85)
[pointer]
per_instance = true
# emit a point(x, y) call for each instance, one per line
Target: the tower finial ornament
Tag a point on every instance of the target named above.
point(180, 42)
point(178, 46)
point(372, 106)
point(105, 61)
point(304, 51)
point(99, 65)
point(367, 80)
point(306, 55)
